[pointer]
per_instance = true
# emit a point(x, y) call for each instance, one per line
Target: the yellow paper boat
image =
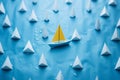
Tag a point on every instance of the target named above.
point(59, 39)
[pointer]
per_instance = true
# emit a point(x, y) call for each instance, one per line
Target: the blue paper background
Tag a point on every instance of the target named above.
point(88, 49)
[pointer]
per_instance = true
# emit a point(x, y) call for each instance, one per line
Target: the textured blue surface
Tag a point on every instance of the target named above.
point(88, 49)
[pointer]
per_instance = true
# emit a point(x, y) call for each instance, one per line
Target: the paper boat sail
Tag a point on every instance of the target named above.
point(118, 24)
point(88, 8)
point(1, 49)
point(33, 18)
point(97, 25)
point(59, 76)
point(28, 48)
point(7, 65)
point(59, 39)
point(105, 50)
point(6, 22)
point(58, 35)
point(115, 36)
point(22, 7)
point(77, 64)
point(13, 78)
point(96, 78)
point(76, 36)
point(2, 9)
point(117, 67)
point(45, 33)
point(42, 61)
point(104, 12)
point(15, 34)
point(72, 15)
point(112, 3)
point(55, 7)
point(46, 19)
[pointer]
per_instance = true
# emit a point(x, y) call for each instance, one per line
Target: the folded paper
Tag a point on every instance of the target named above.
point(117, 67)
point(2, 9)
point(97, 25)
point(77, 64)
point(29, 79)
point(76, 36)
point(6, 22)
point(16, 34)
point(104, 13)
point(46, 19)
point(118, 23)
point(115, 36)
point(59, 39)
point(44, 33)
point(55, 7)
point(28, 48)
point(105, 50)
point(88, 8)
point(13, 78)
point(42, 61)
point(112, 2)
point(22, 7)
point(7, 64)
point(33, 17)
point(59, 76)
point(96, 78)
point(1, 49)
point(72, 14)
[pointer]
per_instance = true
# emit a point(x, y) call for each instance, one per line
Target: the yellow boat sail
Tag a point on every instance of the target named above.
point(59, 36)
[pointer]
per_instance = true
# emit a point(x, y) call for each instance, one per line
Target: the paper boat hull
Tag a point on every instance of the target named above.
point(59, 44)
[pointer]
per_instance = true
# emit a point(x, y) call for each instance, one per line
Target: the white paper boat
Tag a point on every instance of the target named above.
point(72, 14)
point(117, 67)
point(118, 23)
point(105, 50)
point(42, 61)
point(1, 49)
point(46, 19)
point(59, 76)
point(13, 78)
point(77, 64)
point(115, 36)
point(76, 36)
point(6, 22)
point(112, 2)
point(2, 9)
point(96, 78)
point(33, 18)
point(7, 64)
point(104, 13)
point(22, 7)
point(55, 7)
point(97, 25)
point(44, 33)
point(88, 8)
point(16, 34)
point(28, 48)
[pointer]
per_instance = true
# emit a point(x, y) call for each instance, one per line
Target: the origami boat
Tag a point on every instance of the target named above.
point(59, 39)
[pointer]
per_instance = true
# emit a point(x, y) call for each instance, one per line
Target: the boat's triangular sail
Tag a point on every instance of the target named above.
point(2, 9)
point(59, 36)
point(117, 67)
